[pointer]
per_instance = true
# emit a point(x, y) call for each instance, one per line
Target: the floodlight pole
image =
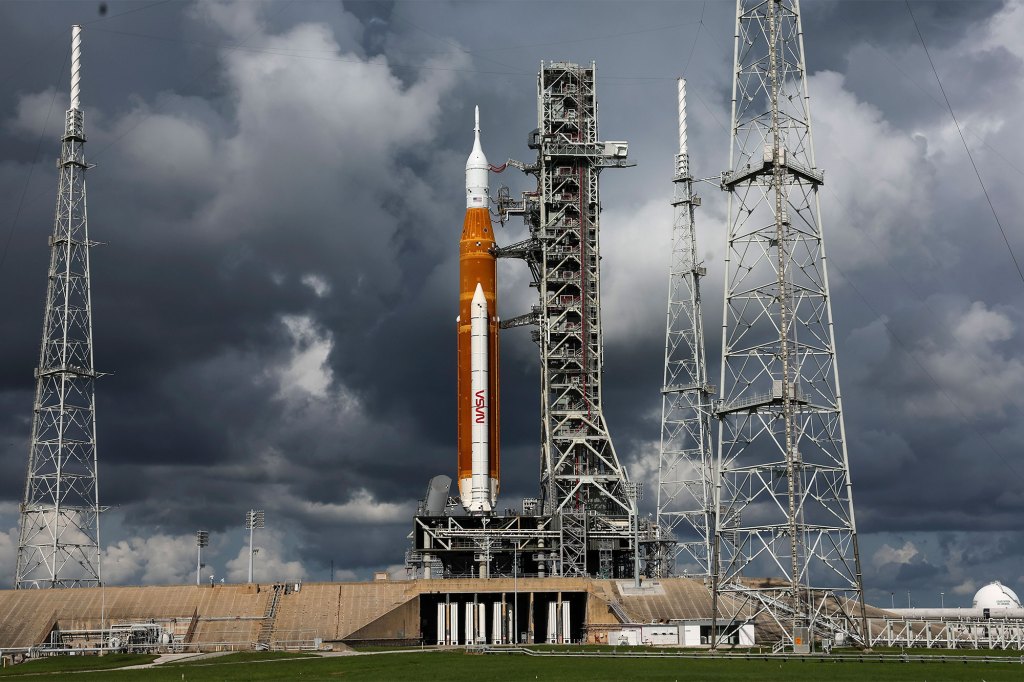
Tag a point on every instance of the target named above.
point(253, 520)
point(202, 540)
point(636, 549)
point(634, 491)
point(515, 590)
point(250, 552)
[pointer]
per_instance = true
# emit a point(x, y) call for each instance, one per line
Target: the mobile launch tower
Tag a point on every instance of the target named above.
point(582, 483)
point(58, 544)
point(783, 497)
point(585, 521)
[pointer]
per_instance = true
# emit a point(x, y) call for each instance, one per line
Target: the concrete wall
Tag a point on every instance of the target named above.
point(333, 611)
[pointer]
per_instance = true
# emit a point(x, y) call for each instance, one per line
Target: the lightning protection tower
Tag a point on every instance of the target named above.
point(59, 537)
point(685, 522)
point(783, 495)
point(582, 482)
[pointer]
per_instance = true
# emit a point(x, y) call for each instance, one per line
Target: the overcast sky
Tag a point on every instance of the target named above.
point(279, 191)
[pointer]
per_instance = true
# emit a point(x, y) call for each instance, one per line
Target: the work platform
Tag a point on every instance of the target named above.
point(521, 545)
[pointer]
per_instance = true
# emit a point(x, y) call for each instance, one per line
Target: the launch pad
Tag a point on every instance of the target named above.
point(585, 522)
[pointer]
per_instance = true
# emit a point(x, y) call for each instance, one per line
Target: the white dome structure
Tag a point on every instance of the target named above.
point(996, 596)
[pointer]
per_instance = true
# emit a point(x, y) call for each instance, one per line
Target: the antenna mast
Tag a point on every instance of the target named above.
point(684, 466)
point(59, 538)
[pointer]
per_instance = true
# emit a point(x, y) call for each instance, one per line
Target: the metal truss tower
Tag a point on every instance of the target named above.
point(783, 494)
point(582, 482)
point(59, 538)
point(685, 521)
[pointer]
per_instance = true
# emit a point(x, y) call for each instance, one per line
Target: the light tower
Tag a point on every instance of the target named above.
point(202, 540)
point(685, 524)
point(254, 518)
point(581, 479)
point(58, 544)
point(785, 535)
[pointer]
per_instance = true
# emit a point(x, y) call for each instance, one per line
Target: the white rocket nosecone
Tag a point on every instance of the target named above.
point(476, 172)
point(480, 496)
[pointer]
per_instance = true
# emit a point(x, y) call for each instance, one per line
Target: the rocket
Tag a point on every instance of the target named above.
point(478, 413)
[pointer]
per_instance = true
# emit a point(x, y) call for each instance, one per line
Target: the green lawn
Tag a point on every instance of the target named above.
point(244, 657)
point(459, 667)
point(73, 663)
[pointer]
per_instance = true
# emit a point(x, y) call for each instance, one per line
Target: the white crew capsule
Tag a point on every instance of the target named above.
point(477, 168)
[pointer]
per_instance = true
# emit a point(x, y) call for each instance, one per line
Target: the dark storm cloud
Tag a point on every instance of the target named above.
point(280, 185)
point(934, 429)
point(886, 23)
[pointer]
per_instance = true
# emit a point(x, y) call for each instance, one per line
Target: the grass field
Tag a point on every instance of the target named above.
point(67, 664)
point(469, 667)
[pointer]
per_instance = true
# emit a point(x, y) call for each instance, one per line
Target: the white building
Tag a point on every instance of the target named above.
point(994, 600)
point(688, 633)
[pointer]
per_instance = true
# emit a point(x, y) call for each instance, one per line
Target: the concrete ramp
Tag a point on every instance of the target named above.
point(224, 613)
point(399, 625)
point(333, 611)
point(663, 600)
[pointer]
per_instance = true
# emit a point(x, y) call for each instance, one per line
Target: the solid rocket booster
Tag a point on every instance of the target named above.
point(478, 342)
point(479, 385)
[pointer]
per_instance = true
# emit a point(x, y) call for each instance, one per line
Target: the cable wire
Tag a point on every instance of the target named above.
point(963, 139)
point(696, 34)
point(35, 159)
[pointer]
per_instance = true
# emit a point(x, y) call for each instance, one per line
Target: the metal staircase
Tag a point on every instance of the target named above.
point(269, 615)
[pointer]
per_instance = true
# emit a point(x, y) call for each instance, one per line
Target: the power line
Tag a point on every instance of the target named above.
point(966, 147)
point(590, 39)
point(127, 11)
point(696, 34)
point(62, 33)
point(46, 121)
point(895, 64)
point(212, 66)
point(319, 55)
point(32, 166)
point(307, 54)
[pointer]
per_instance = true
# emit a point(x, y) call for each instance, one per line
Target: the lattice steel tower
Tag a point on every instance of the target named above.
point(582, 482)
point(685, 522)
point(783, 494)
point(59, 539)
